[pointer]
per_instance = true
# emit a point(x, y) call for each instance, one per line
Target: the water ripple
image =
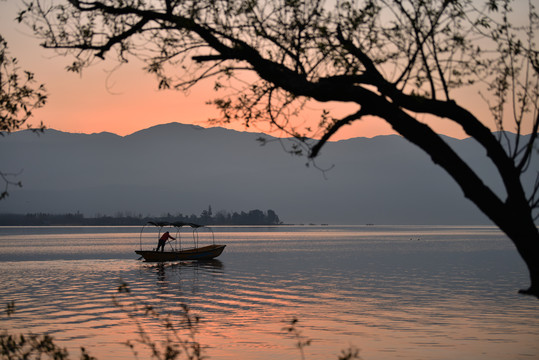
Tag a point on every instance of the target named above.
point(452, 297)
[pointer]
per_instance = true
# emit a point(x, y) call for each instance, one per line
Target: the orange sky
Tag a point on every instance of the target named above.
point(127, 100)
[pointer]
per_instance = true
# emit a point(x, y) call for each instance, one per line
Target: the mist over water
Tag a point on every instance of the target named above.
point(391, 291)
point(373, 180)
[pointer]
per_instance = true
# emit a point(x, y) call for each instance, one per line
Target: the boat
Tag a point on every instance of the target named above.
point(202, 253)
point(174, 250)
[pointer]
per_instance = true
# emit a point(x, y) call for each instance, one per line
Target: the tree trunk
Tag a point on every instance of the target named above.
point(532, 261)
point(530, 254)
point(524, 233)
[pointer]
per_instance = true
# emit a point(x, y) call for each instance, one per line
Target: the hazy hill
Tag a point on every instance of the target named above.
point(184, 168)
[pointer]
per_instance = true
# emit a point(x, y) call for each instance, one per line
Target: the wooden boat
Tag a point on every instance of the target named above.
point(202, 253)
point(175, 252)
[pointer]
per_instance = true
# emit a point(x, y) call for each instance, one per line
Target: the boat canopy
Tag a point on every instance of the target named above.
point(178, 225)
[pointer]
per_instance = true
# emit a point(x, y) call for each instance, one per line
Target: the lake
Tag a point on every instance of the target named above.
point(393, 292)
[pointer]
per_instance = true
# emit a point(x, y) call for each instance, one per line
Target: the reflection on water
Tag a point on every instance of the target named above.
point(393, 292)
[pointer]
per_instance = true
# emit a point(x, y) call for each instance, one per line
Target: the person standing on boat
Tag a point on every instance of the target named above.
point(163, 241)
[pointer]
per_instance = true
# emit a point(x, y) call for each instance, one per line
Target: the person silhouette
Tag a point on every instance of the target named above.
point(163, 241)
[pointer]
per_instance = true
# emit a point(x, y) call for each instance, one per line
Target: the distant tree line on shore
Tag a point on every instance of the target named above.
point(252, 217)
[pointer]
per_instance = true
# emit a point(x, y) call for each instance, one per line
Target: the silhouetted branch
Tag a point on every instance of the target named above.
point(333, 129)
point(203, 58)
point(8, 182)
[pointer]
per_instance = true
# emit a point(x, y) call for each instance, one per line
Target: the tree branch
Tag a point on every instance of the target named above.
point(204, 58)
point(528, 152)
point(332, 130)
point(119, 38)
point(8, 182)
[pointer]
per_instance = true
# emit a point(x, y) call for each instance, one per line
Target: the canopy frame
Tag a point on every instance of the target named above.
point(177, 225)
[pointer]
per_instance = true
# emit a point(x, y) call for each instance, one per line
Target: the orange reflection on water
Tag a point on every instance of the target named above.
point(384, 294)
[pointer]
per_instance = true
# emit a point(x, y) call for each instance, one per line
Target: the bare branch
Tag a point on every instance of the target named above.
point(333, 129)
point(6, 177)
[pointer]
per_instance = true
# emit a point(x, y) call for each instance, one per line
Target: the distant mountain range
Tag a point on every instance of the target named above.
point(175, 168)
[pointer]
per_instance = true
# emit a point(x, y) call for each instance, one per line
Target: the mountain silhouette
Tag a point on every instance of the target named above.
point(176, 168)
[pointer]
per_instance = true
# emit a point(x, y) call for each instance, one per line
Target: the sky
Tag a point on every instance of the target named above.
point(126, 99)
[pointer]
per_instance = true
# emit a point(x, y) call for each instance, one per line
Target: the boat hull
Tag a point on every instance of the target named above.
point(202, 253)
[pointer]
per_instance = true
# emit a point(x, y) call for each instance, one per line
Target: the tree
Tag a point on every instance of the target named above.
point(273, 218)
point(19, 96)
point(398, 60)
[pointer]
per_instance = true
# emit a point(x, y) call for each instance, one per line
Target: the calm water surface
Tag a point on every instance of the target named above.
point(393, 292)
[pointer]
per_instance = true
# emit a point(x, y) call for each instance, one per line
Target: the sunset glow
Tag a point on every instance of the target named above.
point(125, 99)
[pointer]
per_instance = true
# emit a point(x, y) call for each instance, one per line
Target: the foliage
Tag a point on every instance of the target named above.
point(24, 347)
point(19, 96)
point(174, 346)
point(398, 60)
point(32, 346)
point(7, 178)
point(302, 342)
